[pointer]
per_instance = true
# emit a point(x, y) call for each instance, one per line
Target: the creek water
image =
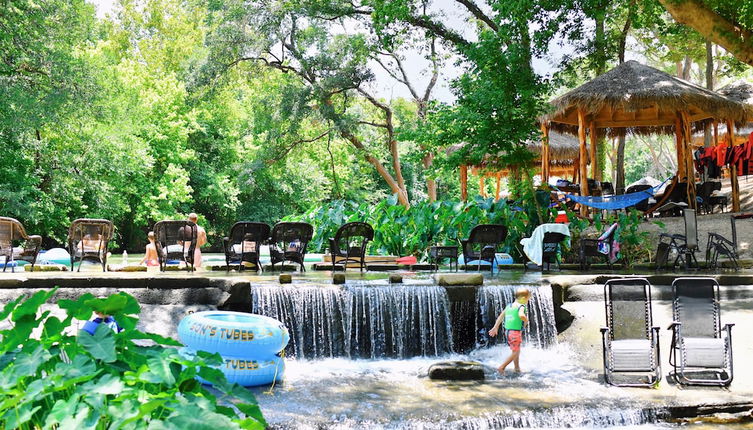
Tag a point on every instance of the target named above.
point(359, 356)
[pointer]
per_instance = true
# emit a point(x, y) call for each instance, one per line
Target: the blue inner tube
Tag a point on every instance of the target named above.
point(249, 372)
point(236, 334)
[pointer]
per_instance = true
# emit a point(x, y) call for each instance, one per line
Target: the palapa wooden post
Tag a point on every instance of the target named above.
point(481, 186)
point(499, 186)
point(545, 159)
point(582, 159)
point(679, 147)
point(733, 170)
point(464, 182)
point(688, 159)
point(592, 139)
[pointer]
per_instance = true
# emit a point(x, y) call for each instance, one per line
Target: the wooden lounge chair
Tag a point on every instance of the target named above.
point(175, 242)
point(349, 244)
point(244, 243)
point(685, 245)
point(289, 241)
point(630, 341)
point(11, 230)
point(700, 354)
point(88, 239)
point(482, 243)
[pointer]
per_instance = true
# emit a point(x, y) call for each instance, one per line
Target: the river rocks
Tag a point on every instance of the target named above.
point(396, 279)
point(286, 278)
point(338, 278)
point(457, 371)
point(453, 279)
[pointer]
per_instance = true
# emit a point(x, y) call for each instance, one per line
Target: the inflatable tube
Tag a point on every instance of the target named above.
point(236, 334)
point(249, 372)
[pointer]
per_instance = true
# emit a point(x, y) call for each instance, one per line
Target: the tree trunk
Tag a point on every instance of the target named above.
point(402, 195)
point(726, 33)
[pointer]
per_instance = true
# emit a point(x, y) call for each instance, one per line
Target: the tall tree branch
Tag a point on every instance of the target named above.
point(714, 27)
point(479, 14)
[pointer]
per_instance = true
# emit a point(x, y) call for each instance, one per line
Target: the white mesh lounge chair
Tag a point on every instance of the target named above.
point(630, 341)
point(700, 355)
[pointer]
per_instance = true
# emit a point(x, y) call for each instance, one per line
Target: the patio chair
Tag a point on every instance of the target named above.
point(719, 245)
point(88, 239)
point(11, 230)
point(676, 202)
point(685, 245)
point(643, 204)
point(704, 195)
point(700, 354)
point(603, 247)
point(175, 241)
point(244, 244)
point(289, 241)
point(550, 250)
point(482, 243)
point(349, 244)
point(630, 341)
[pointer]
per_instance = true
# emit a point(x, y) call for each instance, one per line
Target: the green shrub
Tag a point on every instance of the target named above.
point(400, 231)
point(50, 379)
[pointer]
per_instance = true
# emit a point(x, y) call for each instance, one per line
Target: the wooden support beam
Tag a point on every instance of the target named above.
point(464, 182)
point(498, 193)
point(594, 160)
point(545, 159)
point(481, 186)
point(679, 148)
point(582, 158)
point(688, 159)
point(733, 170)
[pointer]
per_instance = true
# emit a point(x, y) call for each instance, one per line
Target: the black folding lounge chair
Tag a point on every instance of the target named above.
point(175, 241)
point(630, 341)
point(699, 354)
point(88, 239)
point(349, 244)
point(11, 230)
point(550, 249)
point(244, 244)
point(482, 243)
point(704, 195)
point(289, 241)
point(589, 248)
point(685, 245)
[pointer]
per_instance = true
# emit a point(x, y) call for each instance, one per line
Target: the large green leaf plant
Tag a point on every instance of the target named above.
point(51, 379)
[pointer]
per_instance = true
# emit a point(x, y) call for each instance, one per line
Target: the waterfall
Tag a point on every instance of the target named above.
point(492, 299)
point(359, 320)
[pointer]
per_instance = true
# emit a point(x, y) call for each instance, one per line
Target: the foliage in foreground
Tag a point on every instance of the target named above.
point(50, 379)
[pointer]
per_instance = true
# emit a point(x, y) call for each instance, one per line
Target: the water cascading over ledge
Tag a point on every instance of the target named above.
point(492, 299)
point(359, 321)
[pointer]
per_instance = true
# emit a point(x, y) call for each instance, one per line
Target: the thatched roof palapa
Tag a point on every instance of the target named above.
point(563, 149)
point(636, 98)
point(741, 92)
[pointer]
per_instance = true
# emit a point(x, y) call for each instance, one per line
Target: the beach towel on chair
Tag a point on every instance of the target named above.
point(533, 246)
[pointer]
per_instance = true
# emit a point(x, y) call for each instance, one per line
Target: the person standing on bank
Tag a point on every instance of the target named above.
point(515, 317)
point(201, 239)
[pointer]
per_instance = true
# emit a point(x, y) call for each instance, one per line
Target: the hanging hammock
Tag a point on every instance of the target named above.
point(616, 202)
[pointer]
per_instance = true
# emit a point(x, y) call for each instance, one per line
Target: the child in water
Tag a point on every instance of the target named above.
point(515, 316)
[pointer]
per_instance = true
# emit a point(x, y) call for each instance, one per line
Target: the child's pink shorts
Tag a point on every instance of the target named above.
point(514, 339)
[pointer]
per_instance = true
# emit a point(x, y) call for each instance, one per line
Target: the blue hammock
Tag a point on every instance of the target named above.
point(615, 202)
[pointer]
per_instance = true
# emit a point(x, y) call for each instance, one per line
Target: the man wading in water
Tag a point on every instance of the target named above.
point(515, 316)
